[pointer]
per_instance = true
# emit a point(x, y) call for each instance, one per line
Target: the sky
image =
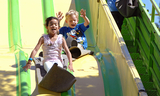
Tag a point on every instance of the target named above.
point(149, 7)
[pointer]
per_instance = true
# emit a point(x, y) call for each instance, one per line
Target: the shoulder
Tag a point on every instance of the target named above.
point(60, 36)
point(41, 40)
point(62, 30)
point(82, 25)
point(44, 35)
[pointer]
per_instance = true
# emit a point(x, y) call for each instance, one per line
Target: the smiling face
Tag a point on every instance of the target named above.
point(53, 27)
point(72, 21)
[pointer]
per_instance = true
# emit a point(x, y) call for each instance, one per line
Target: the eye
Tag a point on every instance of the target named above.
point(50, 24)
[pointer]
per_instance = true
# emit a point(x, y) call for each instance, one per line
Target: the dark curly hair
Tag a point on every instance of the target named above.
point(49, 19)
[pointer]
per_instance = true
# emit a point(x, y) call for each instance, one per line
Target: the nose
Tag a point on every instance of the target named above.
point(53, 25)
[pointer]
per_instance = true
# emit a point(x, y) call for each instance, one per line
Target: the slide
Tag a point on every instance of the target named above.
point(110, 72)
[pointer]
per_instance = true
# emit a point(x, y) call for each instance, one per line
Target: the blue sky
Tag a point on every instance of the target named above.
point(149, 7)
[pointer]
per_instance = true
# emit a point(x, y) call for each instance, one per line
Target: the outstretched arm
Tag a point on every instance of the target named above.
point(70, 66)
point(33, 53)
point(83, 15)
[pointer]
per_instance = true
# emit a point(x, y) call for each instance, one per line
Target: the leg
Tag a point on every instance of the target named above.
point(48, 65)
point(65, 61)
point(83, 51)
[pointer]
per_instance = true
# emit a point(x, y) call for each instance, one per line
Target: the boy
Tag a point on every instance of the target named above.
point(75, 30)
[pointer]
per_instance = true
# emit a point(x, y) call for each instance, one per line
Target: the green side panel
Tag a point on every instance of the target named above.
point(110, 74)
point(14, 34)
point(47, 10)
point(23, 77)
point(70, 92)
point(15, 44)
point(84, 4)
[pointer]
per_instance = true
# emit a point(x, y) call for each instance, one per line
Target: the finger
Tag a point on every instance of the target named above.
point(84, 11)
point(62, 17)
point(71, 69)
point(61, 13)
point(24, 67)
point(81, 11)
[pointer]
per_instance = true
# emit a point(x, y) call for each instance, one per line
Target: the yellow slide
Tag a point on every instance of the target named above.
point(95, 74)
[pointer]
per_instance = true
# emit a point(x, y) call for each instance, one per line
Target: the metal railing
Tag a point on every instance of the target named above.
point(154, 7)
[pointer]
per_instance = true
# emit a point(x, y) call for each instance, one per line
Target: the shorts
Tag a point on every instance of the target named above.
point(48, 65)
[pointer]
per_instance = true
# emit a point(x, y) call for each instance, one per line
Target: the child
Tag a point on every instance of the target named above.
point(52, 44)
point(76, 30)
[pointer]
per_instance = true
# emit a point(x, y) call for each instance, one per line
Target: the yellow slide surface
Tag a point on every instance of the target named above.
point(89, 82)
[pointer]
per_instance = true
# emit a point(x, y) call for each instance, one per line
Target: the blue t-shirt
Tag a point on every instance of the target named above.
point(77, 33)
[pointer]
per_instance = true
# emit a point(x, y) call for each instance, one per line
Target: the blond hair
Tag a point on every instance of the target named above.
point(70, 13)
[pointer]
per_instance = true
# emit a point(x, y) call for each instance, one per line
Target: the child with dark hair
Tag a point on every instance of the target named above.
point(52, 44)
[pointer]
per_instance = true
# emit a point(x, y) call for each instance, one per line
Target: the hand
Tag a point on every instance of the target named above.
point(59, 15)
point(83, 13)
point(27, 66)
point(70, 67)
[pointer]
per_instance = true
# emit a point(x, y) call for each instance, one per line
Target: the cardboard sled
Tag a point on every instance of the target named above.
point(57, 79)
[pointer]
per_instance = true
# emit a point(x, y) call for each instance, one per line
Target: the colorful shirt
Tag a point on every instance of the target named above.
point(77, 33)
point(52, 50)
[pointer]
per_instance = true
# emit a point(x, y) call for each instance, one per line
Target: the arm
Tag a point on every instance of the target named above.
point(83, 15)
point(68, 54)
point(33, 53)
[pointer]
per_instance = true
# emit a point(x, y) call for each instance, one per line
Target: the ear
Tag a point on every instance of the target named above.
point(59, 27)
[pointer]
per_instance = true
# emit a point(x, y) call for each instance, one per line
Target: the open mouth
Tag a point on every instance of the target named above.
point(53, 29)
point(72, 24)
